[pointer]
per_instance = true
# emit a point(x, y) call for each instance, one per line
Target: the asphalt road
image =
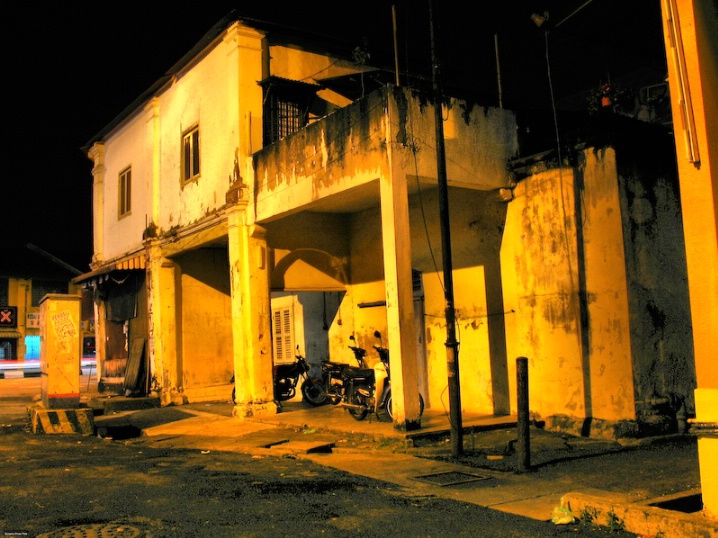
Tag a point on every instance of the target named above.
point(71, 485)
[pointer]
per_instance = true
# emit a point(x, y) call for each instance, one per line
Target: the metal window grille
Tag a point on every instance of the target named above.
point(282, 118)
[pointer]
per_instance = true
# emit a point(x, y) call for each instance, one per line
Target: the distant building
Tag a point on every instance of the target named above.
point(25, 278)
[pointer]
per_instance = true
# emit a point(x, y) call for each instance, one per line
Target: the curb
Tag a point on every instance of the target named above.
point(18, 374)
point(640, 519)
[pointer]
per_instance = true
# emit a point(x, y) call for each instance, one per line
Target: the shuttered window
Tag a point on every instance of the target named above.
point(283, 335)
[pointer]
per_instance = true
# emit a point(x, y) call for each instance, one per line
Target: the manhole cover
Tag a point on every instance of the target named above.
point(95, 530)
point(450, 478)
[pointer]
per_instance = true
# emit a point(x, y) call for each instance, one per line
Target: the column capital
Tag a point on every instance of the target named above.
point(238, 193)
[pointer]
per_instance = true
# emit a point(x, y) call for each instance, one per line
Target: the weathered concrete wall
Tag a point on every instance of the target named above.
point(477, 219)
point(194, 100)
point(132, 145)
point(661, 332)
point(344, 150)
point(540, 283)
point(309, 251)
point(603, 289)
point(348, 149)
point(206, 323)
point(593, 267)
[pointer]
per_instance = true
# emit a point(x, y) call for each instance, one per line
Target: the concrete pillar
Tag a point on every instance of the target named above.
point(691, 33)
point(23, 302)
point(164, 348)
point(399, 297)
point(100, 309)
point(97, 156)
point(251, 311)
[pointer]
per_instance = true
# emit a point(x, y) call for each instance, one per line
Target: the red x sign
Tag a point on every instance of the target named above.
point(8, 316)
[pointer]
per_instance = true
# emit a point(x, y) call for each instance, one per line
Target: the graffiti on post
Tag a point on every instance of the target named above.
point(64, 326)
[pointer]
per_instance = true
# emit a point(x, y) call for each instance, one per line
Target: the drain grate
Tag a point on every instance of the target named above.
point(96, 530)
point(450, 478)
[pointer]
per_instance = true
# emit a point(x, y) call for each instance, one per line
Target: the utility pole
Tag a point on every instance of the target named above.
point(396, 45)
point(452, 346)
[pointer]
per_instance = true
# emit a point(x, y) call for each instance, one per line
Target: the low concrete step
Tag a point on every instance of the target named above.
point(113, 404)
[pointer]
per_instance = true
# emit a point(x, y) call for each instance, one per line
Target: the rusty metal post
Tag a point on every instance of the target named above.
point(523, 446)
point(452, 345)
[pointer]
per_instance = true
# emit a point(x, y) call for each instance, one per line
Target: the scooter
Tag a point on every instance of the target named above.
point(370, 389)
point(286, 378)
point(366, 389)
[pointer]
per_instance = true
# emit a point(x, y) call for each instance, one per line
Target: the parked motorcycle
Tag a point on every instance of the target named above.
point(369, 390)
point(286, 378)
point(365, 388)
point(335, 383)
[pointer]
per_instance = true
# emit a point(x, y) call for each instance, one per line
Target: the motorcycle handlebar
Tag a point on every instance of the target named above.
point(383, 354)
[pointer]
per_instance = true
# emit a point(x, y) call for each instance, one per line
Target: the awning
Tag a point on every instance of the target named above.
point(129, 263)
point(4, 333)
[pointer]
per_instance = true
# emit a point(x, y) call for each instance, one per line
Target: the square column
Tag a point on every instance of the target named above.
point(164, 346)
point(251, 312)
point(396, 233)
point(690, 32)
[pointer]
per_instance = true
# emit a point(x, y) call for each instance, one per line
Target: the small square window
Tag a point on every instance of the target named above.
point(124, 203)
point(190, 155)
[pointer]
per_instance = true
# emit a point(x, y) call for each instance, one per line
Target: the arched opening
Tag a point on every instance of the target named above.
point(307, 288)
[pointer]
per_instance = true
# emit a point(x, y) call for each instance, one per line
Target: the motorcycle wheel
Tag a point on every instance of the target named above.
point(313, 392)
point(357, 399)
point(390, 410)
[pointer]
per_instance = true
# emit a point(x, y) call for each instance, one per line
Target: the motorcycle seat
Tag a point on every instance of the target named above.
point(351, 371)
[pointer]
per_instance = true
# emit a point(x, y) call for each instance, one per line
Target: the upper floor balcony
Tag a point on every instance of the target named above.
point(335, 164)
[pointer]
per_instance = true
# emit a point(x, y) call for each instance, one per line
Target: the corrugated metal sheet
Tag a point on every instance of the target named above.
point(136, 262)
point(5, 333)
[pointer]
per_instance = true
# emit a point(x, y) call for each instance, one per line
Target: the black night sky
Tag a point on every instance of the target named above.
point(69, 68)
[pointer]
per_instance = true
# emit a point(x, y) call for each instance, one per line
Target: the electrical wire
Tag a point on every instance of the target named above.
point(572, 285)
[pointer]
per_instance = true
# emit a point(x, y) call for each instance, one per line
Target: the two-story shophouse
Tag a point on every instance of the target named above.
point(255, 199)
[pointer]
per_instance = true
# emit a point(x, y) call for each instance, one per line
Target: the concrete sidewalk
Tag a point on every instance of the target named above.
point(649, 490)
